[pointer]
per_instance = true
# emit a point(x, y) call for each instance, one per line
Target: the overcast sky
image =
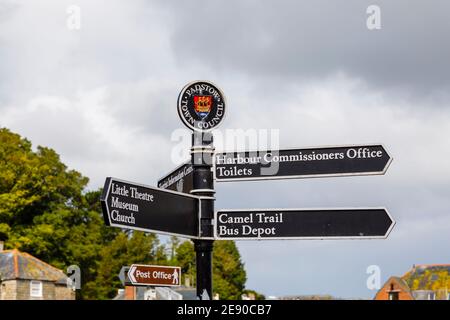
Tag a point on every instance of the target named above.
point(104, 97)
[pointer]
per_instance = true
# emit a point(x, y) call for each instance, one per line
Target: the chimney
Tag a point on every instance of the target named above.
point(2, 244)
point(130, 293)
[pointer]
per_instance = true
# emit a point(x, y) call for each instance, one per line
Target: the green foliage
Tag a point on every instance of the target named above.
point(229, 275)
point(4, 231)
point(45, 211)
point(124, 250)
point(185, 259)
point(32, 183)
point(255, 294)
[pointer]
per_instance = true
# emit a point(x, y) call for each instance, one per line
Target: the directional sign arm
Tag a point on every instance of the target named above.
point(138, 207)
point(103, 200)
point(154, 275)
point(361, 223)
point(180, 179)
point(131, 274)
point(302, 163)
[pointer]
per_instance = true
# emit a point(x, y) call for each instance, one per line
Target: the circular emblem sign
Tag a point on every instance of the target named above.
point(201, 105)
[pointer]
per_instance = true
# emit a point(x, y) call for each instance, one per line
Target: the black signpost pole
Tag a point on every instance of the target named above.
point(203, 185)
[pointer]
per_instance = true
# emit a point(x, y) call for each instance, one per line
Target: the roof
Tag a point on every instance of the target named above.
point(400, 286)
point(421, 268)
point(15, 264)
point(401, 283)
point(428, 277)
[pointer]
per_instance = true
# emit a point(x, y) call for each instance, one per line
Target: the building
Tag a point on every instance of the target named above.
point(395, 289)
point(24, 277)
point(422, 282)
point(156, 293)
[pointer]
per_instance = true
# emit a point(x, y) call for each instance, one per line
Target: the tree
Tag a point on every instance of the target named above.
point(32, 183)
point(124, 250)
point(255, 294)
point(228, 270)
point(229, 275)
point(185, 259)
point(45, 211)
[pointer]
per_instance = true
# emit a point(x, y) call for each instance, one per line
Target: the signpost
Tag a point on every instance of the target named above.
point(149, 275)
point(189, 212)
point(258, 224)
point(134, 206)
point(302, 163)
point(181, 179)
point(202, 107)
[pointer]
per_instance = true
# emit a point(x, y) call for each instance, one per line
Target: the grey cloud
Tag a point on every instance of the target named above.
point(144, 105)
point(140, 55)
point(299, 40)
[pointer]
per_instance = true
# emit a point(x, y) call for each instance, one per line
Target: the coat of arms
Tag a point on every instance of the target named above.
point(202, 105)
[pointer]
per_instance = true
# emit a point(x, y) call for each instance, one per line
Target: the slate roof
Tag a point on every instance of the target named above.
point(20, 265)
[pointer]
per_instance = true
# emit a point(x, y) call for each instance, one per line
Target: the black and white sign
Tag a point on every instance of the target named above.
point(201, 105)
point(269, 224)
point(302, 163)
point(180, 179)
point(134, 206)
point(170, 209)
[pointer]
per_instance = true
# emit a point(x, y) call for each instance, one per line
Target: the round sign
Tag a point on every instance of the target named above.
point(201, 105)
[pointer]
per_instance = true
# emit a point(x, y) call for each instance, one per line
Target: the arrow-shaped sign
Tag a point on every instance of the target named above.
point(180, 179)
point(150, 275)
point(302, 163)
point(131, 274)
point(269, 224)
point(134, 206)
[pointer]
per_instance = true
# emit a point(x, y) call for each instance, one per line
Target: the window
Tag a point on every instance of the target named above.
point(36, 289)
point(393, 295)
